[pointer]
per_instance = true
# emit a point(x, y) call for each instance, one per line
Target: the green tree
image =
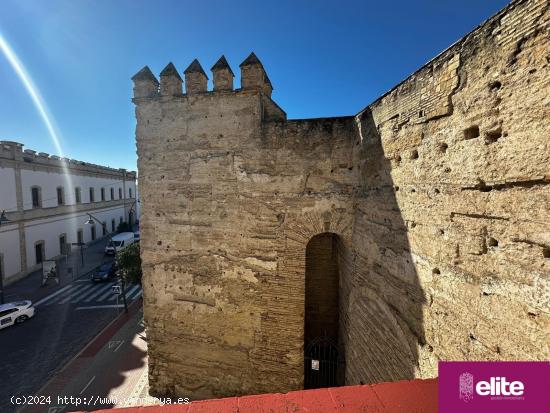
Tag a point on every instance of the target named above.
point(124, 227)
point(128, 262)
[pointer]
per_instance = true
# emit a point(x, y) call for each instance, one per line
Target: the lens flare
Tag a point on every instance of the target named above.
point(39, 104)
point(34, 93)
point(32, 90)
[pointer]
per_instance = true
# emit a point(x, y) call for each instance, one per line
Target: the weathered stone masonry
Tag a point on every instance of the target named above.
point(437, 193)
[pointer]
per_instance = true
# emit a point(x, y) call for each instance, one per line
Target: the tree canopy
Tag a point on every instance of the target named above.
point(128, 262)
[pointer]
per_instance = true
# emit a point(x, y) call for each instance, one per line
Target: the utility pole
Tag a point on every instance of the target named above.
point(81, 245)
point(123, 284)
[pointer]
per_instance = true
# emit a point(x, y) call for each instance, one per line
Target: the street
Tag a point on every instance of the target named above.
point(67, 317)
point(111, 371)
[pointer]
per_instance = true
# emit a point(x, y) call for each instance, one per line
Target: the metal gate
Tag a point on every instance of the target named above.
point(321, 364)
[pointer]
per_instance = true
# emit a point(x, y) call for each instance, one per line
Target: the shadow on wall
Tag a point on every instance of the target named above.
point(381, 298)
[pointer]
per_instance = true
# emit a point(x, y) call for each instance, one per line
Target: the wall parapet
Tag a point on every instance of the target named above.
point(424, 100)
point(253, 77)
point(11, 150)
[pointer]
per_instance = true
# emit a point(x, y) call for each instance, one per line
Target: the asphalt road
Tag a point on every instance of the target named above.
point(64, 322)
point(112, 372)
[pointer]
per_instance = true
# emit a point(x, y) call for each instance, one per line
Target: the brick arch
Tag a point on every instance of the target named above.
point(296, 230)
point(300, 228)
point(366, 321)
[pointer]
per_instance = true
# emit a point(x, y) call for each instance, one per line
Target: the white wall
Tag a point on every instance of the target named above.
point(49, 181)
point(9, 249)
point(8, 198)
point(49, 230)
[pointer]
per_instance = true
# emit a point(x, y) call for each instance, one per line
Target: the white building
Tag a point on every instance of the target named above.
point(47, 200)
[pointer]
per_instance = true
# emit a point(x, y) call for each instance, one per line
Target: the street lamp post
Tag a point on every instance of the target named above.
point(90, 221)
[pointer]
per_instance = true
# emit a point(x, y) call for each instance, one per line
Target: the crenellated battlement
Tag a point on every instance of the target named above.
point(223, 75)
point(170, 81)
point(253, 77)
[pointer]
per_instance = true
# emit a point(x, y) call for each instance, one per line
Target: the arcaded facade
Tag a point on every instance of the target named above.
point(412, 232)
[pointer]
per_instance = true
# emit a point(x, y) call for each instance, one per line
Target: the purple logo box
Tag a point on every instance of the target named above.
point(487, 386)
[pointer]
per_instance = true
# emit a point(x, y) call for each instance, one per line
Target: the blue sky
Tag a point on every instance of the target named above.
point(324, 58)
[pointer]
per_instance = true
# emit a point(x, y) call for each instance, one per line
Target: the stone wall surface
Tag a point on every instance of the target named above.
point(438, 193)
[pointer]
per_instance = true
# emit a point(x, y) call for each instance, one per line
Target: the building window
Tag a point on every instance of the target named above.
point(104, 228)
point(36, 197)
point(92, 197)
point(112, 194)
point(79, 236)
point(130, 192)
point(92, 232)
point(103, 194)
point(62, 242)
point(60, 195)
point(77, 195)
point(119, 193)
point(39, 251)
point(113, 228)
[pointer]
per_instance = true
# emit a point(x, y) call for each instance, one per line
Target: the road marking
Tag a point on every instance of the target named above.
point(81, 292)
point(56, 409)
point(69, 292)
point(85, 292)
point(100, 290)
point(131, 291)
point(52, 295)
point(93, 307)
point(113, 343)
point(117, 347)
point(109, 293)
point(75, 293)
point(86, 386)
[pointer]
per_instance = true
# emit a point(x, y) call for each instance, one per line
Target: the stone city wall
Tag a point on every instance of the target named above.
point(437, 196)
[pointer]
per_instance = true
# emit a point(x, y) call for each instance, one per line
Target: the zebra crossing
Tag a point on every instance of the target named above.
point(89, 294)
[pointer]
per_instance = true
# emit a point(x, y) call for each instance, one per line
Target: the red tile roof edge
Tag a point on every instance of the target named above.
point(410, 396)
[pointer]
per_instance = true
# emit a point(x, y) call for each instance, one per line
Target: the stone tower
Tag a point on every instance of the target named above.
point(281, 254)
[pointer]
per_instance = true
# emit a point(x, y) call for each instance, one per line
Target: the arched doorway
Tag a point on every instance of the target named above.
point(322, 364)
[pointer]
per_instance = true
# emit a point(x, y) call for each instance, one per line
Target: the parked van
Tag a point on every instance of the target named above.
point(118, 242)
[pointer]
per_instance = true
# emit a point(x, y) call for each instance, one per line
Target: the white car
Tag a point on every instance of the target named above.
point(15, 313)
point(118, 242)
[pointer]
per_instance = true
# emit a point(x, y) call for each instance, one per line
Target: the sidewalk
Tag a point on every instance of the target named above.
point(30, 287)
point(111, 371)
